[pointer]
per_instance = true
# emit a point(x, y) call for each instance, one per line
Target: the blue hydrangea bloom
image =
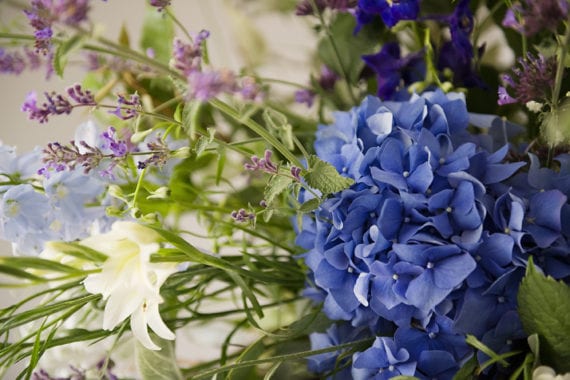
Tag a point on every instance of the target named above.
point(384, 360)
point(437, 227)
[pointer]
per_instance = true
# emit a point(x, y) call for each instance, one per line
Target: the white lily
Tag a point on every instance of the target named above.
point(129, 282)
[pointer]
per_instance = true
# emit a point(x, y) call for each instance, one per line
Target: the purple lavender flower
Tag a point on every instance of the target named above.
point(127, 109)
point(305, 96)
point(531, 81)
point(43, 14)
point(118, 147)
point(249, 89)
point(11, 63)
point(532, 16)
point(242, 215)
point(57, 104)
point(207, 85)
point(188, 57)
point(262, 164)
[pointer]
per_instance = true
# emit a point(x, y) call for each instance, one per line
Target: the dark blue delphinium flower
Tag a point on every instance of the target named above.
point(384, 360)
point(392, 71)
point(391, 11)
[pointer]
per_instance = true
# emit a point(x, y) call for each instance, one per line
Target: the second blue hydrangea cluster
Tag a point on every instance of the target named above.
point(431, 241)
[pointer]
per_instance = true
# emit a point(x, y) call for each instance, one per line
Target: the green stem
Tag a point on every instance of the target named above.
point(336, 51)
point(562, 52)
point(255, 127)
point(281, 358)
point(178, 23)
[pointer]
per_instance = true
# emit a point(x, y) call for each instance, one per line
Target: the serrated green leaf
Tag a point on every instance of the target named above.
point(63, 50)
point(276, 185)
point(157, 34)
point(324, 177)
point(310, 205)
point(157, 365)
point(544, 307)
point(203, 142)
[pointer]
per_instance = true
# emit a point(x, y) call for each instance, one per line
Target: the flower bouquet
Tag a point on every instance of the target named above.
point(401, 211)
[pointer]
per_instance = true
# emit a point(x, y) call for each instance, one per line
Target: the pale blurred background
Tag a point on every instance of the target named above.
point(242, 32)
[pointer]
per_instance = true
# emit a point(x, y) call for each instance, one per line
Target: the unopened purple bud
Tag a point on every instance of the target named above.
point(296, 173)
point(160, 4)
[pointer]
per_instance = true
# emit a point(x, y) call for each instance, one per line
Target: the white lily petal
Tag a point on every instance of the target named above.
point(156, 323)
point(140, 330)
point(119, 306)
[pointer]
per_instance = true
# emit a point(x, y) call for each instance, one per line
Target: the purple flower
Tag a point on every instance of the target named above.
point(188, 57)
point(11, 63)
point(127, 109)
point(392, 71)
point(532, 16)
point(262, 164)
point(305, 96)
point(118, 148)
point(532, 81)
point(160, 4)
point(56, 104)
point(43, 14)
point(207, 85)
point(391, 11)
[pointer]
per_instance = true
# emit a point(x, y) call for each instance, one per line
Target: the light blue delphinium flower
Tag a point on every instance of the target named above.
point(25, 218)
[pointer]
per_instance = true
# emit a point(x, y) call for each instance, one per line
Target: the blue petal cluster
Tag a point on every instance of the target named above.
point(431, 241)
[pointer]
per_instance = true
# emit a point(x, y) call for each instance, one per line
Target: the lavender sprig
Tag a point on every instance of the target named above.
point(57, 104)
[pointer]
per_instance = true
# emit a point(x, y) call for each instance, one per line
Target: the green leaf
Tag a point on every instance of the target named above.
point(324, 177)
point(157, 34)
point(276, 185)
point(544, 307)
point(157, 365)
point(19, 273)
point(310, 205)
point(63, 50)
point(467, 372)
point(37, 263)
point(203, 142)
point(79, 251)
